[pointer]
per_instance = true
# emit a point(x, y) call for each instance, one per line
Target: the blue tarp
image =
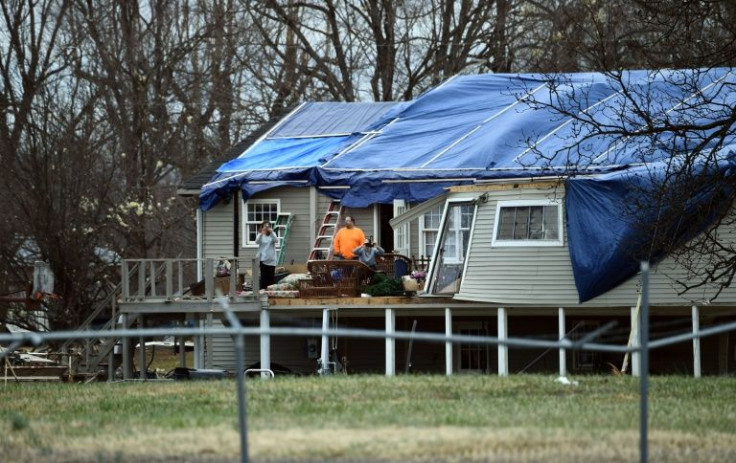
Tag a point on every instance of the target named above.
point(496, 126)
point(615, 220)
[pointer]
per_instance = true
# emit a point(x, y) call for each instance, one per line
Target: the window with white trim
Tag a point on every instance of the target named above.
point(255, 211)
point(528, 223)
point(401, 233)
point(429, 227)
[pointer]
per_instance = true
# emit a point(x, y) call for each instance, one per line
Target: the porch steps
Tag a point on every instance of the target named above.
point(93, 355)
point(281, 226)
point(322, 249)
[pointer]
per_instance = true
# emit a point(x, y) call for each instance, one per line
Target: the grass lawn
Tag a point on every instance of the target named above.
point(371, 418)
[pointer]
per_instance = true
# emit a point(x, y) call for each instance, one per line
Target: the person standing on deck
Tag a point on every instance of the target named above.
point(347, 239)
point(266, 241)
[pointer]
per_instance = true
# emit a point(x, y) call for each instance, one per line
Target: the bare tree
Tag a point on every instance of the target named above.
point(382, 50)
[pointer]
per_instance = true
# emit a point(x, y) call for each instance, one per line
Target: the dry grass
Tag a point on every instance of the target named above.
point(526, 418)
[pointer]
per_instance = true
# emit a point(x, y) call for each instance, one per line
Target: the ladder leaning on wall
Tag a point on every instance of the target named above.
point(281, 226)
point(322, 248)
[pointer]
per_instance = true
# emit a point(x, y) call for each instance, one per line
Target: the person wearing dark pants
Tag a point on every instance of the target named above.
point(266, 241)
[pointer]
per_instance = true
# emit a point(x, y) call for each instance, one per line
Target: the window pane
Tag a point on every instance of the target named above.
point(551, 224)
point(429, 238)
point(506, 223)
point(521, 223)
point(536, 223)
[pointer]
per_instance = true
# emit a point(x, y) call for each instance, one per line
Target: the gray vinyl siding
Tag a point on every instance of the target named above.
point(514, 275)
point(295, 201)
point(542, 276)
point(217, 229)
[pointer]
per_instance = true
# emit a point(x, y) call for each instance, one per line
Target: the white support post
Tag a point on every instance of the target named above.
point(636, 342)
point(562, 332)
point(265, 341)
point(325, 352)
point(127, 361)
point(208, 357)
point(696, 342)
point(448, 344)
point(198, 346)
point(390, 342)
point(503, 350)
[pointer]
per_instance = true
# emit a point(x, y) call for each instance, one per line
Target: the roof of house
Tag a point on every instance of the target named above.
point(477, 128)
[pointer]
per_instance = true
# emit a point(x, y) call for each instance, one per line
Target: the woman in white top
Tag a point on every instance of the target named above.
point(266, 241)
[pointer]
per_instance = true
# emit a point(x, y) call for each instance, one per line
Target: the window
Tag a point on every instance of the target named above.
point(256, 211)
point(402, 233)
point(528, 223)
point(453, 247)
point(429, 226)
point(472, 358)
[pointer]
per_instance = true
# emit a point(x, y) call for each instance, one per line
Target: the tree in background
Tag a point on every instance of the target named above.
point(107, 105)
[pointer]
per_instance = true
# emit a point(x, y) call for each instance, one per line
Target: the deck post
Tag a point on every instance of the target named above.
point(125, 273)
point(696, 342)
point(265, 338)
point(503, 350)
point(209, 279)
point(636, 342)
point(208, 360)
point(142, 350)
point(448, 344)
point(562, 332)
point(390, 342)
point(169, 279)
point(127, 364)
point(199, 345)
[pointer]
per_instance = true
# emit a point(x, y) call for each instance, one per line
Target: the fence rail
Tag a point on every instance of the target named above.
point(239, 332)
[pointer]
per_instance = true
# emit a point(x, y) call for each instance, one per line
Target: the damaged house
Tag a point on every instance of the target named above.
point(513, 193)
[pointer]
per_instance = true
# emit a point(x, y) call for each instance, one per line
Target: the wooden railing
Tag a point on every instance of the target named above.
point(157, 280)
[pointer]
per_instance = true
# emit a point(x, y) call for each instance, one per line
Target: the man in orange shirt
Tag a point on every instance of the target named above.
point(347, 238)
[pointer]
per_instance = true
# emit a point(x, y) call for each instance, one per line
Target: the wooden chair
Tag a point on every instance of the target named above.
point(393, 265)
point(335, 278)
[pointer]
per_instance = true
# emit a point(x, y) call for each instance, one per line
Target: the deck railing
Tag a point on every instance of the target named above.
point(172, 279)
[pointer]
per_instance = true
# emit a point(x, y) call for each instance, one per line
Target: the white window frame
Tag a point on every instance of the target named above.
point(422, 238)
point(529, 243)
point(433, 265)
point(244, 219)
point(402, 234)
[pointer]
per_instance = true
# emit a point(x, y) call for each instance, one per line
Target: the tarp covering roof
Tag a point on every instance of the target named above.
point(484, 127)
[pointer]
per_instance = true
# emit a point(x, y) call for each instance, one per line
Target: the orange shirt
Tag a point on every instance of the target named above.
point(346, 240)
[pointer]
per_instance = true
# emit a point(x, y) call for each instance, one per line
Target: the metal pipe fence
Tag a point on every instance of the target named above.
point(238, 332)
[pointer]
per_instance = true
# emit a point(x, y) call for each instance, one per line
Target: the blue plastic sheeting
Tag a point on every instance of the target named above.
point(615, 220)
point(278, 162)
point(289, 153)
point(333, 118)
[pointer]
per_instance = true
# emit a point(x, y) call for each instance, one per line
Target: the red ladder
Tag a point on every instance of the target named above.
point(322, 249)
